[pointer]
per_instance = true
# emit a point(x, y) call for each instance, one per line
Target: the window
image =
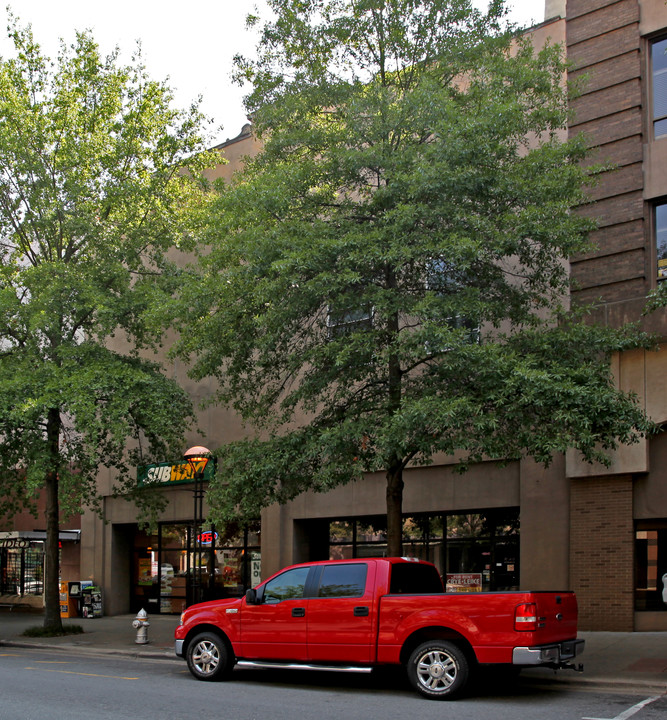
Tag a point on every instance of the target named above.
point(651, 565)
point(286, 586)
point(473, 551)
point(415, 579)
point(661, 239)
point(659, 74)
point(343, 581)
point(442, 279)
point(21, 567)
point(345, 321)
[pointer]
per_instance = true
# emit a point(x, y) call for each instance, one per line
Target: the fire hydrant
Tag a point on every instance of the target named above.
point(141, 624)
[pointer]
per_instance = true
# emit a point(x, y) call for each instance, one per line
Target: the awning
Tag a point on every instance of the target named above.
point(63, 536)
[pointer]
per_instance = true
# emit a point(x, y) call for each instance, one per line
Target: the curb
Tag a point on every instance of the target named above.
point(150, 653)
point(614, 684)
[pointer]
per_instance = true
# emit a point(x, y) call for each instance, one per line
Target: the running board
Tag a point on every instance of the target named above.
point(301, 666)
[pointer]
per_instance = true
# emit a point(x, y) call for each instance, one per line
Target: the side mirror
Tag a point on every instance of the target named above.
point(251, 596)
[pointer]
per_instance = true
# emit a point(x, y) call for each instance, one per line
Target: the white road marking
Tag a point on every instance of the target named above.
point(630, 711)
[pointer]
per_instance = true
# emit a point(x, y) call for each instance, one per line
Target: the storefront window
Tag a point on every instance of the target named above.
point(477, 551)
point(21, 567)
point(171, 568)
point(651, 566)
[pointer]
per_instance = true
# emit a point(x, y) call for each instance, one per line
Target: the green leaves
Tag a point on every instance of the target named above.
point(414, 196)
point(99, 182)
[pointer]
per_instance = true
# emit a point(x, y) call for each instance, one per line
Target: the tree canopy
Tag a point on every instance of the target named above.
point(387, 280)
point(98, 183)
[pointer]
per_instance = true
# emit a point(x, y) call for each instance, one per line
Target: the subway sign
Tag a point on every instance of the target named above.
point(173, 473)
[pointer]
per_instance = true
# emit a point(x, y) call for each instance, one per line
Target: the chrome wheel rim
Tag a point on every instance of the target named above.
point(206, 657)
point(436, 671)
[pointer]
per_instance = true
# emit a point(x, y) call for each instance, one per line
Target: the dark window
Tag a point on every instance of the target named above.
point(661, 239)
point(442, 280)
point(414, 579)
point(651, 566)
point(472, 551)
point(343, 581)
point(659, 73)
point(286, 586)
point(348, 320)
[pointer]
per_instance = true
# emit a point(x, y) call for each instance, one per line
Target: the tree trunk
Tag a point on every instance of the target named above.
point(52, 620)
point(395, 467)
point(395, 511)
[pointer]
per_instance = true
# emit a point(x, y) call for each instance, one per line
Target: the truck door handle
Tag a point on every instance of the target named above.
point(298, 612)
point(361, 611)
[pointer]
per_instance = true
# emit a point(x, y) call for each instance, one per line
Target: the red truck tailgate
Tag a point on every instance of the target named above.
point(556, 616)
point(488, 621)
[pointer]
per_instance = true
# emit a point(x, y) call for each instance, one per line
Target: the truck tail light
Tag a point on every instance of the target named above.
point(525, 617)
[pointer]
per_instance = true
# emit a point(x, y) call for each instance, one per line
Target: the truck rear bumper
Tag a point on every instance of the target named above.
point(555, 655)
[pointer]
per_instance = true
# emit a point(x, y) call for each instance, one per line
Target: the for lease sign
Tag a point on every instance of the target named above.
point(464, 582)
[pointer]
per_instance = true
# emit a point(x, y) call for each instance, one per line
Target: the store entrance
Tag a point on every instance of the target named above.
point(172, 568)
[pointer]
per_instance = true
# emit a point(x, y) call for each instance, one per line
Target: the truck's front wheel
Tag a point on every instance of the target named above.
point(438, 669)
point(209, 657)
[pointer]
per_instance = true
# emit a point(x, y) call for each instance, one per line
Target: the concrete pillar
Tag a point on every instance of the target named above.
point(554, 8)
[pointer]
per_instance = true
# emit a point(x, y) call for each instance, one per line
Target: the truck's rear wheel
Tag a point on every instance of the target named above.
point(438, 669)
point(209, 657)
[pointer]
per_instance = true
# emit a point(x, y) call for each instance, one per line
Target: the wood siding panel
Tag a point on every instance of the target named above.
point(614, 239)
point(607, 101)
point(616, 210)
point(575, 8)
point(614, 293)
point(622, 152)
point(604, 20)
point(609, 72)
point(611, 269)
point(602, 131)
point(618, 182)
point(597, 49)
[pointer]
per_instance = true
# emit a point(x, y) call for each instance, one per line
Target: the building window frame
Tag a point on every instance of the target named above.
point(650, 587)
point(659, 234)
point(658, 90)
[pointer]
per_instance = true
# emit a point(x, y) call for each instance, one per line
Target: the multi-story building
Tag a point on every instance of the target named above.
point(601, 531)
point(618, 515)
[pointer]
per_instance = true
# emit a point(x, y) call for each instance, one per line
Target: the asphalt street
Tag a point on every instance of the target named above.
point(38, 683)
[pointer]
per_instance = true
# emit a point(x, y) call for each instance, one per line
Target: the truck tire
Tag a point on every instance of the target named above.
point(438, 669)
point(210, 657)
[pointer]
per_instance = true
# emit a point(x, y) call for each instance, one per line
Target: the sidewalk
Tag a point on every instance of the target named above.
point(634, 662)
point(113, 635)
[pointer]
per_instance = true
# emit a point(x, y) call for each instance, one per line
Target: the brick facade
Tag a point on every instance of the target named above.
point(601, 552)
point(603, 43)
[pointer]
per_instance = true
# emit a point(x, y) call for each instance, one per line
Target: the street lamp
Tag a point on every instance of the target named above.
point(197, 457)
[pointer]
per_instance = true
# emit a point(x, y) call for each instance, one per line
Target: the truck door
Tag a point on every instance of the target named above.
point(341, 614)
point(275, 629)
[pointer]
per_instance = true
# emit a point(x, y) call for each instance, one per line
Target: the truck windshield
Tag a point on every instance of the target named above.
point(415, 579)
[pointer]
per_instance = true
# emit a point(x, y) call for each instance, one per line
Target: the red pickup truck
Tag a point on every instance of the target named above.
point(379, 612)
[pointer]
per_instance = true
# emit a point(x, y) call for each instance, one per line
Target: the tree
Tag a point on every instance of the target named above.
point(94, 193)
point(391, 266)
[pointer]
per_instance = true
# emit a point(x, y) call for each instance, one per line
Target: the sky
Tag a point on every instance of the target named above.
point(190, 44)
